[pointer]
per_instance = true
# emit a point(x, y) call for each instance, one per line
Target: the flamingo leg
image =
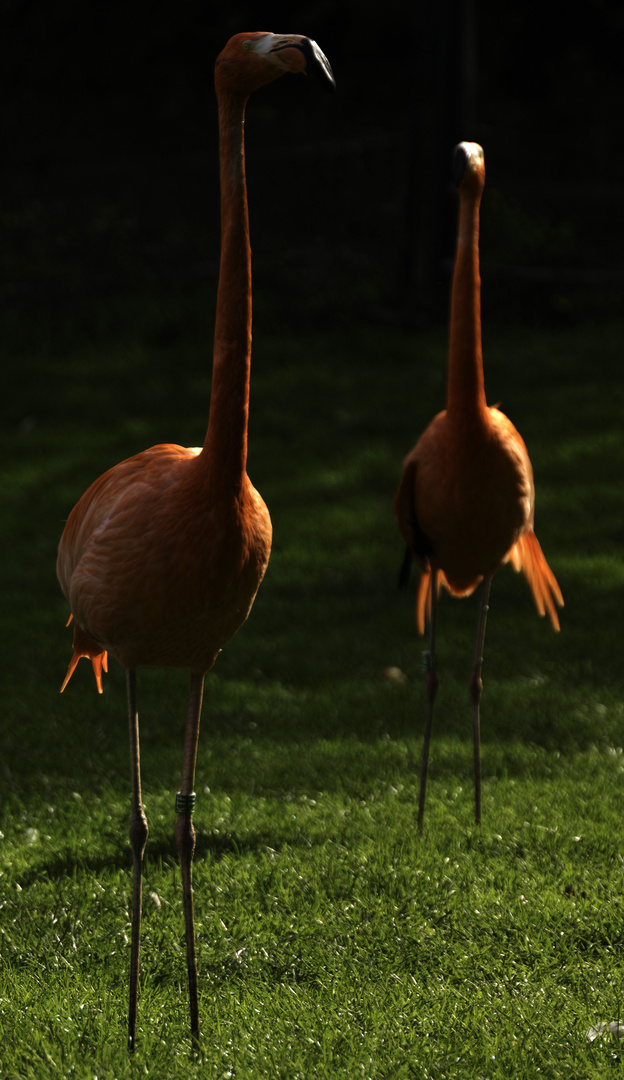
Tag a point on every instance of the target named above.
point(476, 689)
point(138, 839)
point(431, 681)
point(185, 839)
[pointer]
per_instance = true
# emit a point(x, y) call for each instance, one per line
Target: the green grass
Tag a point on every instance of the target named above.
point(332, 941)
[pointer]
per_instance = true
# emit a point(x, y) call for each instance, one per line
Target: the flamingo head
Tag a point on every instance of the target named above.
point(469, 167)
point(248, 61)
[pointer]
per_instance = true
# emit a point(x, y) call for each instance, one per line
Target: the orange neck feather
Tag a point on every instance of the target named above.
point(224, 454)
point(466, 390)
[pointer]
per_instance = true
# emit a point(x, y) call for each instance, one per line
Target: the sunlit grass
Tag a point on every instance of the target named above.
point(332, 941)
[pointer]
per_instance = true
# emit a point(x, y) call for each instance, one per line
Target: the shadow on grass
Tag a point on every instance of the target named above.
point(213, 846)
point(298, 701)
point(337, 724)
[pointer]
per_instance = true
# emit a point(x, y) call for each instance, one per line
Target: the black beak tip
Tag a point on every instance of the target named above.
point(318, 66)
point(460, 163)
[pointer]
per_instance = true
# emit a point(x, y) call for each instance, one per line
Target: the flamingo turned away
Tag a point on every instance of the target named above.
point(466, 499)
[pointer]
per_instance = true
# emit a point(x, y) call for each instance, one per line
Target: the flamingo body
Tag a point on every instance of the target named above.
point(465, 506)
point(466, 499)
point(163, 555)
point(157, 568)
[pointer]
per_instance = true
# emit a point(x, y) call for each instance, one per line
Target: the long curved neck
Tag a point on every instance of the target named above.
point(224, 454)
point(465, 389)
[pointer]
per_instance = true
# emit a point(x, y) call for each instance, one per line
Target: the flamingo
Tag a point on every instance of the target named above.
point(465, 502)
point(163, 555)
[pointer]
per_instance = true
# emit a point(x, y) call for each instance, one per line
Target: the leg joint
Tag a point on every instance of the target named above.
point(476, 688)
point(138, 830)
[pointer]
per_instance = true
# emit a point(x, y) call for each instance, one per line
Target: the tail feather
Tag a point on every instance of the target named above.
point(423, 599)
point(423, 594)
point(528, 557)
point(84, 645)
point(99, 664)
point(70, 670)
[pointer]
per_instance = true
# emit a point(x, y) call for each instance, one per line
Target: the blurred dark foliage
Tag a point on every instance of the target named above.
point(109, 175)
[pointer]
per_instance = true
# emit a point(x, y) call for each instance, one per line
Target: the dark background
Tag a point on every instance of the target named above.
point(109, 181)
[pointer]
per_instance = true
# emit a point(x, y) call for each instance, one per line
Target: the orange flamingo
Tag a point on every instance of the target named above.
point(465, 502)
point(162, 557)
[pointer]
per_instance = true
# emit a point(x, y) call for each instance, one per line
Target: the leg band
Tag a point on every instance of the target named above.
point(185, 804)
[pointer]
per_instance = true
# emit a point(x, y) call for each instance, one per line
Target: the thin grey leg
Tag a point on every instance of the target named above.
point(138, 839)
point(431, 681)
point(476, 689)
point(185, 839)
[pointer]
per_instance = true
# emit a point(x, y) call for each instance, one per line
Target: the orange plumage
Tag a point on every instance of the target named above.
point(159, 565)
point(474, 508)
point(162, 557)
point(466, 499)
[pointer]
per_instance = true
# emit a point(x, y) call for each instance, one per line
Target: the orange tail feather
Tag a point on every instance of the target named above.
point(84, 645)
point(528, 557)
point(423, 599)
point(70, 670)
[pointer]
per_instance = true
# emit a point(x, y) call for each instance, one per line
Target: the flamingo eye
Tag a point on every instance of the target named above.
point(246, 45)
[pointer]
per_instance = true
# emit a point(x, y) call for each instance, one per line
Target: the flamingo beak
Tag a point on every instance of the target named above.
point(317, 64)
point(312, 62)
